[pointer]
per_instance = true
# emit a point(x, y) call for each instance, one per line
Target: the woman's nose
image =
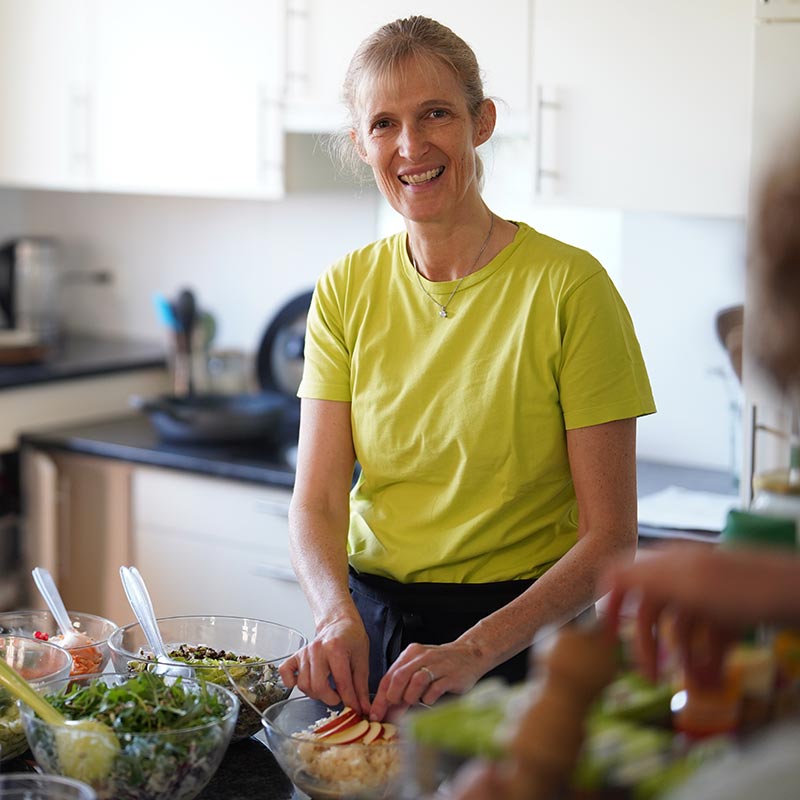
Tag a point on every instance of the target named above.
point(412, 142)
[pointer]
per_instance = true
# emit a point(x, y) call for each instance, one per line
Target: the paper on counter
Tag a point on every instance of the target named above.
point(685, 509)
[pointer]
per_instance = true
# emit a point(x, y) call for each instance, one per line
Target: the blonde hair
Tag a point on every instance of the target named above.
point(386, 53)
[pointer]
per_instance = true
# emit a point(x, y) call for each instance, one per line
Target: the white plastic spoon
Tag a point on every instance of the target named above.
point(70, 638)
point(142, 606)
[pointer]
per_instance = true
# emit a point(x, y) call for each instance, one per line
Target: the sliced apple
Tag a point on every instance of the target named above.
point(345, 717)
point(375, 732)
point(350, 734)
point(389, 730)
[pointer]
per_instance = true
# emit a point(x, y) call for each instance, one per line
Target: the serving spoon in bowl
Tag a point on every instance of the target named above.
point(70, 638)
point(86, 747)
point(142, 605)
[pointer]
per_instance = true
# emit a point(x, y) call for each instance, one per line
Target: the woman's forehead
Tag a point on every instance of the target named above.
point(419, 71)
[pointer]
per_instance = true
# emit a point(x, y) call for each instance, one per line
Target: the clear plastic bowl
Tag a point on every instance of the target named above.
point(26, 786)
point(330, 771)
point(257, 682)
point(164, 765)
point(37, 662)
point(91, 658)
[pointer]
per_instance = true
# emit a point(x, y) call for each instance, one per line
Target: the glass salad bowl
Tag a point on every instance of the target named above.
point(161, 738)
point(241, 653)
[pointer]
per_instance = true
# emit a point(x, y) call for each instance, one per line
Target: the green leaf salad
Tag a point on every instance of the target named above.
point(172, 733)
point(257, 681)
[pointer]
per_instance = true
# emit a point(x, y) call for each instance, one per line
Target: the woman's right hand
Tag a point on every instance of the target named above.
point(334, 666)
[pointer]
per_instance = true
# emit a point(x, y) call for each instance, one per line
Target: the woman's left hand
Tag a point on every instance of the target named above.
point(424, 672)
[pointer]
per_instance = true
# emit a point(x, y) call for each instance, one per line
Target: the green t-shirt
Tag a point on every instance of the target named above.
point(459, 423)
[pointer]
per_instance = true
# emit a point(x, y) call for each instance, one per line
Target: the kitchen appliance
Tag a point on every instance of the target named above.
point(279, 364)
point(30, 270)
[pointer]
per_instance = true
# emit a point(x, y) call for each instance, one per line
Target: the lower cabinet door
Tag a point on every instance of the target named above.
point(235, 567)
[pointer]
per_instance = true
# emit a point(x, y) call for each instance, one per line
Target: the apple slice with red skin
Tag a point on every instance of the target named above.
point(375, 732)
point(350, 734)
point(389, 730)
point(345, 717)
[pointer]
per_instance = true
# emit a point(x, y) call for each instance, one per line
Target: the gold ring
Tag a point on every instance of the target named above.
point(431, 676)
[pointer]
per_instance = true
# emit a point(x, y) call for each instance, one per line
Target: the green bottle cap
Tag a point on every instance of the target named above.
point(746, 529)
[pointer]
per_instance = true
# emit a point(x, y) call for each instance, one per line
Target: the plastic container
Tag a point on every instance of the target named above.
point(24, 786)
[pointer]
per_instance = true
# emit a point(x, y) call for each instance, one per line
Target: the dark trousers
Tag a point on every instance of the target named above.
point(397, 614)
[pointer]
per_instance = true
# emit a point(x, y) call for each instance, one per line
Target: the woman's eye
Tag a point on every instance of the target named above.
point(380, 124)
point(438, 113)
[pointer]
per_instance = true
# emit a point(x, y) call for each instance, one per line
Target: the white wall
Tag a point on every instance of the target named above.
point(244, 259)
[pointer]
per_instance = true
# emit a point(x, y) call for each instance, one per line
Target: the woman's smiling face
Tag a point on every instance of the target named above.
point(417, 135)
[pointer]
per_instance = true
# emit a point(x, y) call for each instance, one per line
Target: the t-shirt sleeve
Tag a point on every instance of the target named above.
point(602, 376)
point(326, 367)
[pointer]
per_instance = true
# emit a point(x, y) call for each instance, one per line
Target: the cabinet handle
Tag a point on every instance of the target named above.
point(80, 102)
point(542, 105)
point(297, 32)
point(285, 574)
point(273, 508)
point(270, 137)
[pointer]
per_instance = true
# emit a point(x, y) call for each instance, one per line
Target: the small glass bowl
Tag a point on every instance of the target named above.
point(86, 659)
point(27, 786)
point(330, 771)
point(37, 662)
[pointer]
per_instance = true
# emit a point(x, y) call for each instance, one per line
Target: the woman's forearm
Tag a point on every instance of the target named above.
point(564, 591)
point(318, 546)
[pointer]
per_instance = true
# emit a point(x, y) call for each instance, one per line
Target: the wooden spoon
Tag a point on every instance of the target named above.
point(86, 747)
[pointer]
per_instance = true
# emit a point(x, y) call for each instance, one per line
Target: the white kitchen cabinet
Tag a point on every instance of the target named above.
point(322, 37)
point(186, 97)
point(44, 93)
point(214, 546)
point(643, 106)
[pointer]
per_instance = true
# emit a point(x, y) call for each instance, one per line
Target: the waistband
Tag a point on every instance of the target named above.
point(386, 590)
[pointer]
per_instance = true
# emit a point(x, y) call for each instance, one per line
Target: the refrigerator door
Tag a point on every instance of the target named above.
point(776, 128)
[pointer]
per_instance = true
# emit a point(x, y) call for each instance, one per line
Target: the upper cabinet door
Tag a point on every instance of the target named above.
point(323, 37)
point(44, 93)
point(186, 97)
point(643, 105)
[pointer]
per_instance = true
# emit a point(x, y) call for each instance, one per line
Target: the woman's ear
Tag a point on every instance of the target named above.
point(362, 153)
point(486, 122)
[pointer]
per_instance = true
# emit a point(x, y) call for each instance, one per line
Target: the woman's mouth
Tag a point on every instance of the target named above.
point(422, 177)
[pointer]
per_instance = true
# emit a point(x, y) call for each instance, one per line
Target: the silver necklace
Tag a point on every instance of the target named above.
point(443, 306)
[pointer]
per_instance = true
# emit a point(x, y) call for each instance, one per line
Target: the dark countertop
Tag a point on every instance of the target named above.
point(132, 438)
point(84, 356)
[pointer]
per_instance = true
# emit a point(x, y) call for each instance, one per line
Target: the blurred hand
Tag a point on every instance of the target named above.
point(334, 666)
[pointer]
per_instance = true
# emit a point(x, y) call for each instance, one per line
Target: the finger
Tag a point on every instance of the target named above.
point(319, 676)
point(647, 620)
point(361, 683)
point(288, 672)
point(341, 671)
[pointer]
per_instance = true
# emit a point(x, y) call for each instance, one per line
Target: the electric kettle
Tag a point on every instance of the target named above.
point(29, 281)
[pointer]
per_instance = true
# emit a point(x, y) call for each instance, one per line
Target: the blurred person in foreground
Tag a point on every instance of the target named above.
point(714, 595)
point(487, 380)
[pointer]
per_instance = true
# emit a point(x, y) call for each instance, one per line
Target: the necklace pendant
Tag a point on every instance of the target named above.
point(442, 312)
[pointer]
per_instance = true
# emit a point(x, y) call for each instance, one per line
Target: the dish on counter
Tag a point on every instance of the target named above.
point(238, 652)
point(90, 655)
point(333, 753)
point(172, 734)
point(37, 662)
